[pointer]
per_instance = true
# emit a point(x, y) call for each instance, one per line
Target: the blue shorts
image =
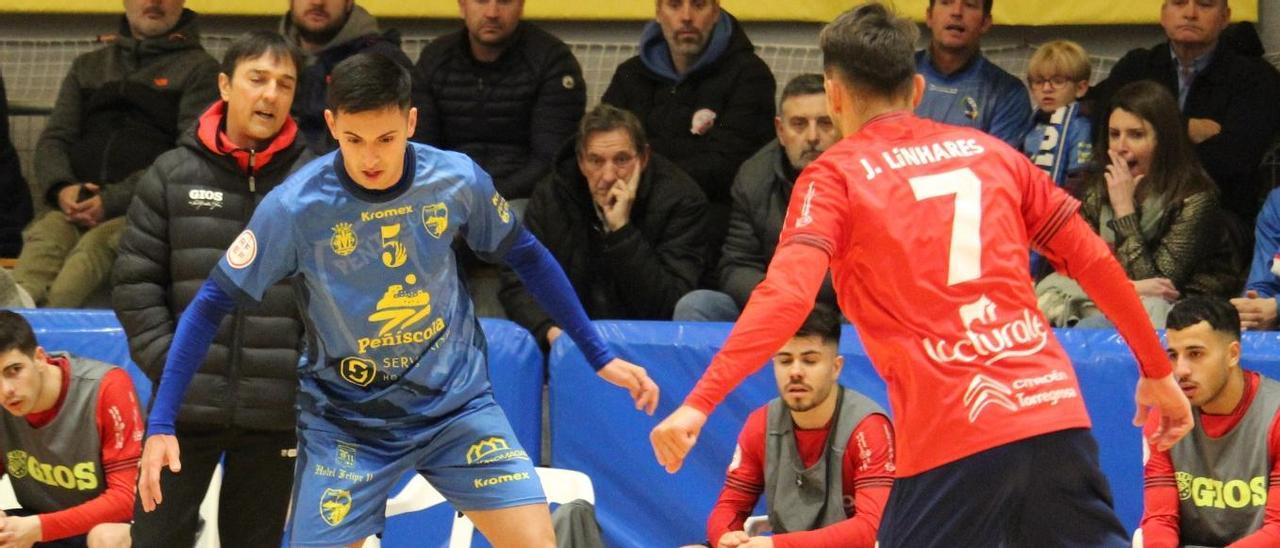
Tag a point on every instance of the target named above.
point(342, 482)
point(1041, 491)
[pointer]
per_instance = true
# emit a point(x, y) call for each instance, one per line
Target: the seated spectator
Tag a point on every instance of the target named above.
point(1257, 307)
point(705, 98)
point(761, 193)
point(188, 208)
point(1155, 207)
point(962, 87)
point(119, 107)
point(820, 453)
point(624, 223)
point(15, 196)
point(1061, 141)
point(329, 31)
point(502, 91)
point(1226, 94)
point(72, 436)
point(1216, 486)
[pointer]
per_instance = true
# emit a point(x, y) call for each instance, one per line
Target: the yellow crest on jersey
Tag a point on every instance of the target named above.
point(343, 240)
point(334, 506)
point(435, 218)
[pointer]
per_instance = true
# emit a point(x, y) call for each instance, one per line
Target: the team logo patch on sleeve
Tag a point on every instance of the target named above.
point(243, 250)
point(504, 210)
point(358, 371)
point(334, 506)
point(435, 218)
point(343, 240)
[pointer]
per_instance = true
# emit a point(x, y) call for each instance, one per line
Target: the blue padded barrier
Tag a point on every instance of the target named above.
point(90, 333)
point(595, 429)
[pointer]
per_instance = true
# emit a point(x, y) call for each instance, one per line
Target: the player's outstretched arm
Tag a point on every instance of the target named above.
point(628, 375)
point(774, 312)
point(159, 451)
point(546, 281)
point(1171, 407)
point(196, 329)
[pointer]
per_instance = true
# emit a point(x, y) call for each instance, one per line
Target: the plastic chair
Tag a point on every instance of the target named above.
point(560, 486)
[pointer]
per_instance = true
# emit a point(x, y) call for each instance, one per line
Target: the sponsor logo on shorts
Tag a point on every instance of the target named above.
point(358, 371)
point(984, 391)
point(343, 240)
point(435, 218)
point(243, 250)
point(1214, 493)
point(334, 506)
point(988, 340)
point(493, 449)
point(81, 476)
point(481, 483)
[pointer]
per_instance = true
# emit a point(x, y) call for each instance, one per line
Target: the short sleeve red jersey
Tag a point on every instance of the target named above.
point(928, 228)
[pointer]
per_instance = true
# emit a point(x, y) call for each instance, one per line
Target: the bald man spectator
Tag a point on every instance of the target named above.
point(502, 91)
point(119, 108)
point(705, 98)
point(329, 31)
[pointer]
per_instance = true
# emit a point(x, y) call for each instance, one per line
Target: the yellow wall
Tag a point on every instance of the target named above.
point(1008, 12)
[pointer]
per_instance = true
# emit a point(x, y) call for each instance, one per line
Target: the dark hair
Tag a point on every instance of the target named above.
point(823, 322)
point(16, 334)
point(368, 81)
point(255, 44)
point(986, 5)
point(1219, 313)
point(605, 117)
point(1175, 168)
point(804, 84)
point(871, 47)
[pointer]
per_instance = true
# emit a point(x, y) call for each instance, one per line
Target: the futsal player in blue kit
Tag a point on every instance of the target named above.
point(394, 376)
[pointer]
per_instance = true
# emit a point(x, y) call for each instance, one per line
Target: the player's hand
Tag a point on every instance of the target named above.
point(675, 435)
point(160, 450)
point(553, 333)
point(1121, 184)
point(617, 210)
point(1168, 400)
point(732, 539)
point(20, 531)
point(1157, 287)
point(1202, 129)
point(758, 542)
point(634, 378)
point(1256, 312)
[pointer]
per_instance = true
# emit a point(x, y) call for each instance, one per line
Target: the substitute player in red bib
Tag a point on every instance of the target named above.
point(926, 229)
point(1218, 486)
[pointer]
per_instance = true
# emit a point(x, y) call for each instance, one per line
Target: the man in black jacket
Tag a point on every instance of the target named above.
point(1227, 94)
point(761, 194)
point(502, 91)
point(624, 223)
point(704, 96)
point(119, 108)
point(328, 32)
point(15, 196)
point(189, 207)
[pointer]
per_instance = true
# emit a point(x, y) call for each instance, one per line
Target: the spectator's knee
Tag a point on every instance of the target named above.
point(705, 305)
point(109, 535)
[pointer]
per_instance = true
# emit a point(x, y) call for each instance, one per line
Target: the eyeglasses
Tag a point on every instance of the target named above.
point(1056, 81)
point(620, 161)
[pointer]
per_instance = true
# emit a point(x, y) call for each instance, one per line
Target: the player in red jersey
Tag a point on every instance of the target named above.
point(926, 229)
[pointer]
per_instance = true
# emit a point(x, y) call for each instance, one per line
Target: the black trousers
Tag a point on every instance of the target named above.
point(1043, 491)
point(257, 478)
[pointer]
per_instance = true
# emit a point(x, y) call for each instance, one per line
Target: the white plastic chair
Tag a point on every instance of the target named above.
point(560, 486)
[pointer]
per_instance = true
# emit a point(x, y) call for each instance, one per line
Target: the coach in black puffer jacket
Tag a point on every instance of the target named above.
point(510, 115)
point(187, 209)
